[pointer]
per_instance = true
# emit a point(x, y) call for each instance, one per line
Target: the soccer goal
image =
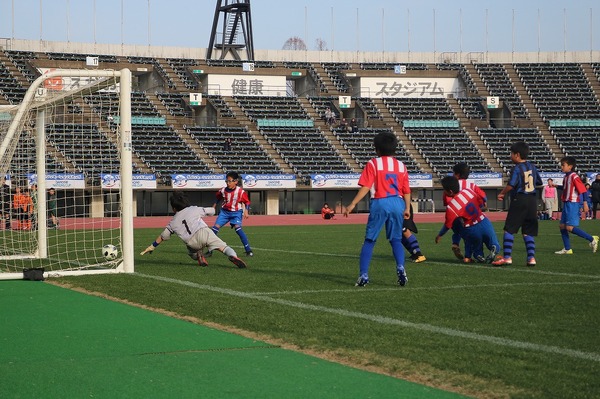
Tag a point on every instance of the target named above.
point(59, 209)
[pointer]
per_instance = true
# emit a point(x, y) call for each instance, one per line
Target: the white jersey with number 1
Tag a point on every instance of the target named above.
point(187, 222)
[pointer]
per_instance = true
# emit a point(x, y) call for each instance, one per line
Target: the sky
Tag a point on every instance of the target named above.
point(343, 25)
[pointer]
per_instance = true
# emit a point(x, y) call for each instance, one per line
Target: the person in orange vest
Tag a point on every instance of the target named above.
point(23, 206)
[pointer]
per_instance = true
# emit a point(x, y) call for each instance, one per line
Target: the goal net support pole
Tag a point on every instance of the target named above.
point(21, 121)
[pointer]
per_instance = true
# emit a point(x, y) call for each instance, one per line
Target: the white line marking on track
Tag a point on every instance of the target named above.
point(591, 356)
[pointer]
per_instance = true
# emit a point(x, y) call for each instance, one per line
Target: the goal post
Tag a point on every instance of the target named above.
point(72, 128)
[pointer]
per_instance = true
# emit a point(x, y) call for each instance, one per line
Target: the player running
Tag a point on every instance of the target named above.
point(234, 209)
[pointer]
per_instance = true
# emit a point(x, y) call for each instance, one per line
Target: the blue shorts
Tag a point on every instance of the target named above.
point(231, 217)
point(389, 212)
point(478, 235)
point(570, 214)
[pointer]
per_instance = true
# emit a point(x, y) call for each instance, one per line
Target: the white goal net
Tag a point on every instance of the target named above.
point(65, 165)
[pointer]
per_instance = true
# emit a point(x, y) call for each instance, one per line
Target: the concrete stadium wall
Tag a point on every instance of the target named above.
point(308, 56)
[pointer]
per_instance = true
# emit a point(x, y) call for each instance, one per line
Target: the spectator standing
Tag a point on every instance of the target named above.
point(23, 206)
point(595, 187)
point(52, 208)
point(5, 203)
point(550, 195)
point(329, 117)
point(587, 197)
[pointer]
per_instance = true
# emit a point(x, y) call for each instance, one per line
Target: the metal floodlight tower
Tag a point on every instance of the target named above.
point(236, 30)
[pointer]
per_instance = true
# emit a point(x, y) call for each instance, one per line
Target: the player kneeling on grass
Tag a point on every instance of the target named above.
point(477, 230)
point(191, 228)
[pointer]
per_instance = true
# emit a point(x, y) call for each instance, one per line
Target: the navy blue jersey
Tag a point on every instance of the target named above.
point(524, 178)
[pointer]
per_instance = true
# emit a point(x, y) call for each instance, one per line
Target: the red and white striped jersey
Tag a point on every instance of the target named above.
point(464, 183)
point(233, 199)
point(465, 205)
point(386, 176)
point(572, 187)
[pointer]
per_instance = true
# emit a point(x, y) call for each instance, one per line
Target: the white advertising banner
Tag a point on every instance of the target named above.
point(420, 180)
point(486, 179)
point(139, 181)
point(401, 87)
point(334, 180)
point(197, 182)
point(282, 181)
point(417, 180)
point(557, 177)
point(60, 180)
point(246, 85)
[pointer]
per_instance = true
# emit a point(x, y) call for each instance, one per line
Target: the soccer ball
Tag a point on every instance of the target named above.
point(110, 252)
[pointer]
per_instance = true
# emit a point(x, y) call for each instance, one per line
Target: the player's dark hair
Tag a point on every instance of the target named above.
point(521, 148)
point(571, 161)
point(450, 183)
point(179, 201)
point(462, 170)
point(233, 175)
point(385, 143)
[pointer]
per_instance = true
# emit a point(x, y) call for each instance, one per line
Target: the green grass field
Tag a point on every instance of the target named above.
point(482, 331)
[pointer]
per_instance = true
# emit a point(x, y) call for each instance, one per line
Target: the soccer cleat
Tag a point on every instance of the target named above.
point(238, 262)
point(565, 252)
point(457, 252)
point(201, 259)
point(208, 254)
point(531, 261)
point(480, 259)
point(402, 278)
point(250, 254)
point(467, 260)
point(362, 281)
point(594, 243)
point(418, 258)
point(502, 261)
point(492, 255)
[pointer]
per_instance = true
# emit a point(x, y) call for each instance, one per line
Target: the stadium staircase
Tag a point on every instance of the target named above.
point(468, 126)
point(594, 81)
point(536, 119)
point(389, 121)
point(329, 86)
point(326, 131)
point(241, 119)
point(178, 126)
point(477, 81)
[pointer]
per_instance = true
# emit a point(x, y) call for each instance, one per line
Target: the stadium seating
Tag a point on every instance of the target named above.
point(498, 141)
point(561, 93)
point(245, 155)
point(496, 80)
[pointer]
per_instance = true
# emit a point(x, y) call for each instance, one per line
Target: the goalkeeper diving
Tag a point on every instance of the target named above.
point(187, 224)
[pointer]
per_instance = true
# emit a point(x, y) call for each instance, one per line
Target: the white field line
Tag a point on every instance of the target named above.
point(535, 270)
point(448, 287)
point(591, 356)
